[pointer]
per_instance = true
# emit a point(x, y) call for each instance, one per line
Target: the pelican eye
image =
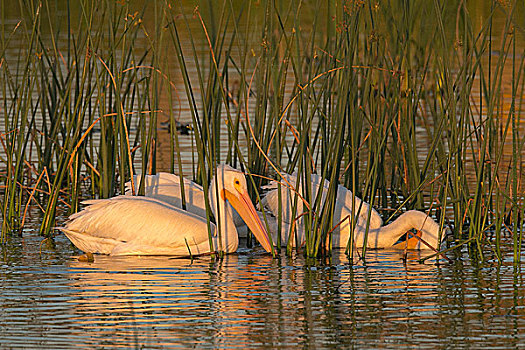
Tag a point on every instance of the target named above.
point(237, 184)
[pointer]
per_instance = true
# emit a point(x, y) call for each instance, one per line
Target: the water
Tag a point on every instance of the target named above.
point(249, 300)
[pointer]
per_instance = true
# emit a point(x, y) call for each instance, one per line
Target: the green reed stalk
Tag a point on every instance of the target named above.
point(197, 124)
point(117, 84)
point(16, 123)
point(517, 155)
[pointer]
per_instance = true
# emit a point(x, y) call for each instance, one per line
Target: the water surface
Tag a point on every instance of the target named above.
point(249, 300)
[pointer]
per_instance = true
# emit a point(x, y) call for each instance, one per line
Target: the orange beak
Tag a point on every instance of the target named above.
point(244, 206)
point(410, 243)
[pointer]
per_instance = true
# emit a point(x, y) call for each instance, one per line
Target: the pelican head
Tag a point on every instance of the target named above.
point(229, 185)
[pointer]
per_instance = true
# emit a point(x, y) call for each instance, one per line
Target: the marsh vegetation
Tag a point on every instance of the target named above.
point(410, 105)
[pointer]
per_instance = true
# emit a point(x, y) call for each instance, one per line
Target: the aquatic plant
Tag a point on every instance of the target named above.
point(410, 105)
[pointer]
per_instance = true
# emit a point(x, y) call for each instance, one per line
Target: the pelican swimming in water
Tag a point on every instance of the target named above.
point(166, 187)
point(379, 236)
point(138, 225)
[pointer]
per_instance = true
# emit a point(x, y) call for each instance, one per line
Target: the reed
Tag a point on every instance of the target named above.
point(346, 90)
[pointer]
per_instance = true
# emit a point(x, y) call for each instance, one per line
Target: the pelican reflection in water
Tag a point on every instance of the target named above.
point(163, 299)
point(153, 299)
point(138, 225)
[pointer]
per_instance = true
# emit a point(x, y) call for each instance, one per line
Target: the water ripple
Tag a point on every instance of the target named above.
point(250, 300)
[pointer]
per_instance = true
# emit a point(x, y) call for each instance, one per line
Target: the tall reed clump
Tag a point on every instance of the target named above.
point(18, 105)
point(210, 83)
point(480, 126)
point(410, 105)
point(365, 88)
point(70, 101)
point(345, 117)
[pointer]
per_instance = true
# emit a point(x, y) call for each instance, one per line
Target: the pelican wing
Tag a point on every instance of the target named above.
point(166, 188)
point(343, 205)
point(137, 226)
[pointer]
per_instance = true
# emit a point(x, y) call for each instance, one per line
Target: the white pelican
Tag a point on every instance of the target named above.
point(379, 236)
point(138, 225)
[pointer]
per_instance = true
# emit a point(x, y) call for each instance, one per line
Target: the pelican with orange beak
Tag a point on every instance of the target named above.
point(137, 225)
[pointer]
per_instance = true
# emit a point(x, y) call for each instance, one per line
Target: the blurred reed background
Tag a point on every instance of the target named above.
point(411, 105)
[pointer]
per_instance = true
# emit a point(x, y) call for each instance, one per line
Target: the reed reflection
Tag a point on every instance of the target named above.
point(386, 297)
point(250, 298)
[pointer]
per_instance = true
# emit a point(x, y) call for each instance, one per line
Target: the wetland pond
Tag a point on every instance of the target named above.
point(249, 300)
